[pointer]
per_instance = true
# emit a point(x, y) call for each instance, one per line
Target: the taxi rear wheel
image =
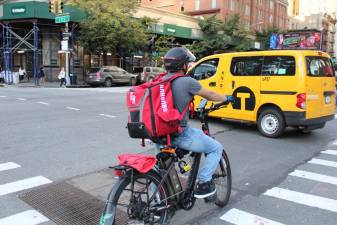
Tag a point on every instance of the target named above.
point(271, 123)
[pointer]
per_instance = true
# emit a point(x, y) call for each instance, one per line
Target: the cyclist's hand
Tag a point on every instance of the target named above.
point(230, 98)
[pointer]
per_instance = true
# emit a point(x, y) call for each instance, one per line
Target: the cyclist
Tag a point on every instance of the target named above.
point(177, 60)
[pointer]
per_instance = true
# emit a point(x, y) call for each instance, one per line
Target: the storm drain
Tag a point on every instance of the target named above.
point(65, 205)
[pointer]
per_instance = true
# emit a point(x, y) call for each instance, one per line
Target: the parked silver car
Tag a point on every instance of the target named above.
point(109, 75)
point(150, 72)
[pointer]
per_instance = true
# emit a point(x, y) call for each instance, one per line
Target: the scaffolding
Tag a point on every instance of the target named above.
point(9, 36)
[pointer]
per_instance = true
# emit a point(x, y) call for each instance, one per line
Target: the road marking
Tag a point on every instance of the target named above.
point(335, 142)
point(21, 99)
point(23, 184)
point(71, 108)
point(8, 166)
point(238, 217)
point(314, 176)
point(109, 116)
point(303, 199)
point(2, 96)
point(29, 217)
point(323, 162)
point(43, 103)
point(330, 152)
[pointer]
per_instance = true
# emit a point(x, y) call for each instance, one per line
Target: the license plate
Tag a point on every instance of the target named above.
point(327, 100)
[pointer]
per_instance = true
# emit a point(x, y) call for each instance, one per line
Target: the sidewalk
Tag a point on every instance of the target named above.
point(27, 84)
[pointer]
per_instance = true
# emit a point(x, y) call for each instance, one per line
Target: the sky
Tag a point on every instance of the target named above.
point(308, 7)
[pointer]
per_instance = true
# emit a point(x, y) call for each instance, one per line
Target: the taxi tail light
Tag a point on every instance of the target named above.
point(301, 101)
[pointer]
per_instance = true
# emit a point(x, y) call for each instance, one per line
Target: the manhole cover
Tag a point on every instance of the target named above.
point(65, 205)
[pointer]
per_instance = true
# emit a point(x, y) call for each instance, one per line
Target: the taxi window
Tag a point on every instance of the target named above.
point(319, 66)
point(279, 65)
point(205, 70)
point(247, 66)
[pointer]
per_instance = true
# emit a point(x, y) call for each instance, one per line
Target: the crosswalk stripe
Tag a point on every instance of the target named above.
point(334, 142)
point(29, 217)
point(239, 217)
point(21, 99)
point(8, 166)
point(330, 152)
point(106, 115)
point(314, 176)
point(323, 162)
point(23, 184)
point(2, 96)
point(302, 198)
point(43, 103)
point(72, 108)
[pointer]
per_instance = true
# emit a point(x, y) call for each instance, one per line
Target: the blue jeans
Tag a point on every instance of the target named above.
point(195, 140)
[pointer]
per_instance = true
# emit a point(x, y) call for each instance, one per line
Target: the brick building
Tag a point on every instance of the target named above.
point(255, 14)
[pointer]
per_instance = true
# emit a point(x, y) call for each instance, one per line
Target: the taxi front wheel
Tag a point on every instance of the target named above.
point(271, 123)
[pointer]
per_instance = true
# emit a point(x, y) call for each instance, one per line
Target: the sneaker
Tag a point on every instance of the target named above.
point(205, 189)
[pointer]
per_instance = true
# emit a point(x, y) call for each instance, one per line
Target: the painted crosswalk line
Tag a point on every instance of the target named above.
point(72, 108)
point(303, 199)
point(23, 185)
point(239, 217)
point(330, 152)
point(43, 103)
point(21, 99)
point(314, 176)
point(30, 217)
point(8, 166)
point(323, 162)
point(108, 116)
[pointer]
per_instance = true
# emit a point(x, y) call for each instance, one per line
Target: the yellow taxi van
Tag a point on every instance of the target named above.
point(274, 89)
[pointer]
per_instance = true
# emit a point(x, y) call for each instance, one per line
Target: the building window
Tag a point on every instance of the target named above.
point(260, 2)
point(260, 16)
point(214, 4)
point(271, 5)
point(271, 19)
point(197, 4)
point(232, 5)
point(247, 10)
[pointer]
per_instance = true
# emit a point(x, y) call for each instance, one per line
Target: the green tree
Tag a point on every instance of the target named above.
point(110, 27)
point(220, 36)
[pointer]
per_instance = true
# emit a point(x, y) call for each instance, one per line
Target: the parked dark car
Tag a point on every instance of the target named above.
point(109, 75)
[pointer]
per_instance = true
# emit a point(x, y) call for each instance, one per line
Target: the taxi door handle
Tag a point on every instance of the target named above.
point(233, 84)
point(212, 84)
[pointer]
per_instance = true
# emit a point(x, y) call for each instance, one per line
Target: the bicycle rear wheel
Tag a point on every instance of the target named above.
point(129, 202)
point(223, 181)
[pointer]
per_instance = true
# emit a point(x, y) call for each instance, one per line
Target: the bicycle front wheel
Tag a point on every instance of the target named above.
point(129, 202)
point(223, 181)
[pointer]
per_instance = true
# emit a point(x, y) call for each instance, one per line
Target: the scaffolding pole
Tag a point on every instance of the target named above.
point(73, 41)
point(7, 56)
point(35, 31)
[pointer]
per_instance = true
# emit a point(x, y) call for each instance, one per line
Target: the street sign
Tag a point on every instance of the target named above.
point(62, 18)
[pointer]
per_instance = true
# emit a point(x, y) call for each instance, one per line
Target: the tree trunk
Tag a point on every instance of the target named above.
point(105, 59)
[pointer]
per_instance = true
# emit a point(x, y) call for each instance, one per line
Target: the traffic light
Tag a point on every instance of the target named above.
point(60, 7)
point(52, 6)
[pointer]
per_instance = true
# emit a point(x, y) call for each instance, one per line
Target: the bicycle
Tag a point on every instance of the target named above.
point(153, 197)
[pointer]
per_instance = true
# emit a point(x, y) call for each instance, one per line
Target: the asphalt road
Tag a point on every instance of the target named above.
point(52, 134)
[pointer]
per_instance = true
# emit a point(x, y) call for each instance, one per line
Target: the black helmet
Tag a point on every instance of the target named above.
point(176, 58)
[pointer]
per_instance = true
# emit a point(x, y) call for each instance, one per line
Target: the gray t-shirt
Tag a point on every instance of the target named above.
point(184, 89)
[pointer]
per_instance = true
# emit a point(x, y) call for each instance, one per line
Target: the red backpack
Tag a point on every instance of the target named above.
point(152, 111)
